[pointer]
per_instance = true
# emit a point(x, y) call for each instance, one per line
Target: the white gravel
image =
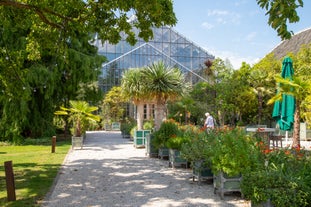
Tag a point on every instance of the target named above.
point(109, 171)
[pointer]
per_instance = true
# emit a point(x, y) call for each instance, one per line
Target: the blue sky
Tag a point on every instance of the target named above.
point(232, 29)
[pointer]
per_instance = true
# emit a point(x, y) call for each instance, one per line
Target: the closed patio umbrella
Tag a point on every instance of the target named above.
point(284, 110)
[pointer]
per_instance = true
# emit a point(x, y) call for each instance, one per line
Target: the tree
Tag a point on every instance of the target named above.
point(47, 52)
point(302, 66)
point(132, 84)
point(163, 83)
point(81, 115)
point(281, 13)
point(260, 79)
point(107, 19)
point(113, 104)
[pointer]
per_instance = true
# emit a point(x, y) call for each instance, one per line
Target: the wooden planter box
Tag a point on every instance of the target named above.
point(201, 172)
point(163, 153)
point(224, 184)
point(151, 151)
point(175, 159)
point(116, 126)
point(140, 138)
point(76, 142)
point(263, 204)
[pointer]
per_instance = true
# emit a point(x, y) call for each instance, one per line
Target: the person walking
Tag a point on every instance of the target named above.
point(209, 122)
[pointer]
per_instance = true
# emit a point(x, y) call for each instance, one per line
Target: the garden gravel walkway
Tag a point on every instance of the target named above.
point(109, 172)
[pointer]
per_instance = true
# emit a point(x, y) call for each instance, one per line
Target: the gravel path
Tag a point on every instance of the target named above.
point(109, 171)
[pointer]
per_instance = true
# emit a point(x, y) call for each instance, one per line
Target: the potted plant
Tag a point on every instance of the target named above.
point(80, 115)
point(233, 152)
point(196, 152)
point(167, 129)
point(174, 145)
point(282, 178)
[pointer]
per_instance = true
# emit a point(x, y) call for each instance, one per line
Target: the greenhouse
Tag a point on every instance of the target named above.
point(167, 45)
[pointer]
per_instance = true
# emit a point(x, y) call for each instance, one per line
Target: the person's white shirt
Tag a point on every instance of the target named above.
point(209, 121)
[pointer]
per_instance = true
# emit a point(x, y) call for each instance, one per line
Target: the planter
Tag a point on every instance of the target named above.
point(107, 127)
point(116, 126)
point(163, 153)
point(263, 204)
point(140, 138)
point(201, 172)
point(175, 159)
point(224, 184)
point(126, 136)
point(76, 142)
point(151, 151)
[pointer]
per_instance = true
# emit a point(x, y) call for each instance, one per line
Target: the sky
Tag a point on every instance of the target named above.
point(236, 30)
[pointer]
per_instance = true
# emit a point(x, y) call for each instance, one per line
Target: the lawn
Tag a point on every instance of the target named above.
point(35, 168)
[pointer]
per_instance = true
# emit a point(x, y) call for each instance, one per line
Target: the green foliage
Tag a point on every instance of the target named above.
point(48, 57)
point(280, 14)
point(155, 83)
point(148, 125)
point(113, 105)
point(127, 126)
point(168, 129)
point(80, 115)
point(197, 148)
point(176, 142)
point(283, 177)
point(232, 152)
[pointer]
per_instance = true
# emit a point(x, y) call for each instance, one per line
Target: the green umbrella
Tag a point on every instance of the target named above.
point(283, 110)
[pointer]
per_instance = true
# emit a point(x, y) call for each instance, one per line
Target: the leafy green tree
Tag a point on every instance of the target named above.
point(222, 73)
point(113, 105)
point(242, 96)
point(261, 80)
point(198, 102)
point(281, 12)
point(47, 53)
point(302, 67)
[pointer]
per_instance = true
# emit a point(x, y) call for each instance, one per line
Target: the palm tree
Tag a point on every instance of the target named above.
point(132, 85)
point(259, 80)
point(80, 114)
point(163, 83)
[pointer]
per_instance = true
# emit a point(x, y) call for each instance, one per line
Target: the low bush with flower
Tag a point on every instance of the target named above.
point(283, 176)
point(232, 151)
point(197, 148)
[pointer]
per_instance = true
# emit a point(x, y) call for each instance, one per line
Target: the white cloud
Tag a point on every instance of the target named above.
point(251, 36)
point(217, 12)
point(240, 2)
point(234, 58)
point(207, 25)
point(224, 16)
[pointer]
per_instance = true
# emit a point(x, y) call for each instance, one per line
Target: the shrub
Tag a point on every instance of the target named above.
point(232, 151)
point(167, 129)
point(197, 148)
point(284, 177)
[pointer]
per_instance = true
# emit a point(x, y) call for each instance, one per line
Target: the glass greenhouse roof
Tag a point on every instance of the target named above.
point(167, 45)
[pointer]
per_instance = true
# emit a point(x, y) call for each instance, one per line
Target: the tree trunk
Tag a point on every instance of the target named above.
point(296, 134)
point(159, 115)
point(140, 116)
point(260, 100)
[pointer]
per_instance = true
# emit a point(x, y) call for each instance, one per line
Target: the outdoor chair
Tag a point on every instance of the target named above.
point(276, 140)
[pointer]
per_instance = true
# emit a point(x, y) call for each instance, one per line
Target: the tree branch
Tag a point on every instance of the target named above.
point(39, 11)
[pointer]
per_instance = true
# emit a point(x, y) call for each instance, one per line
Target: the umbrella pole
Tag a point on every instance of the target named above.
point(286, 137)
